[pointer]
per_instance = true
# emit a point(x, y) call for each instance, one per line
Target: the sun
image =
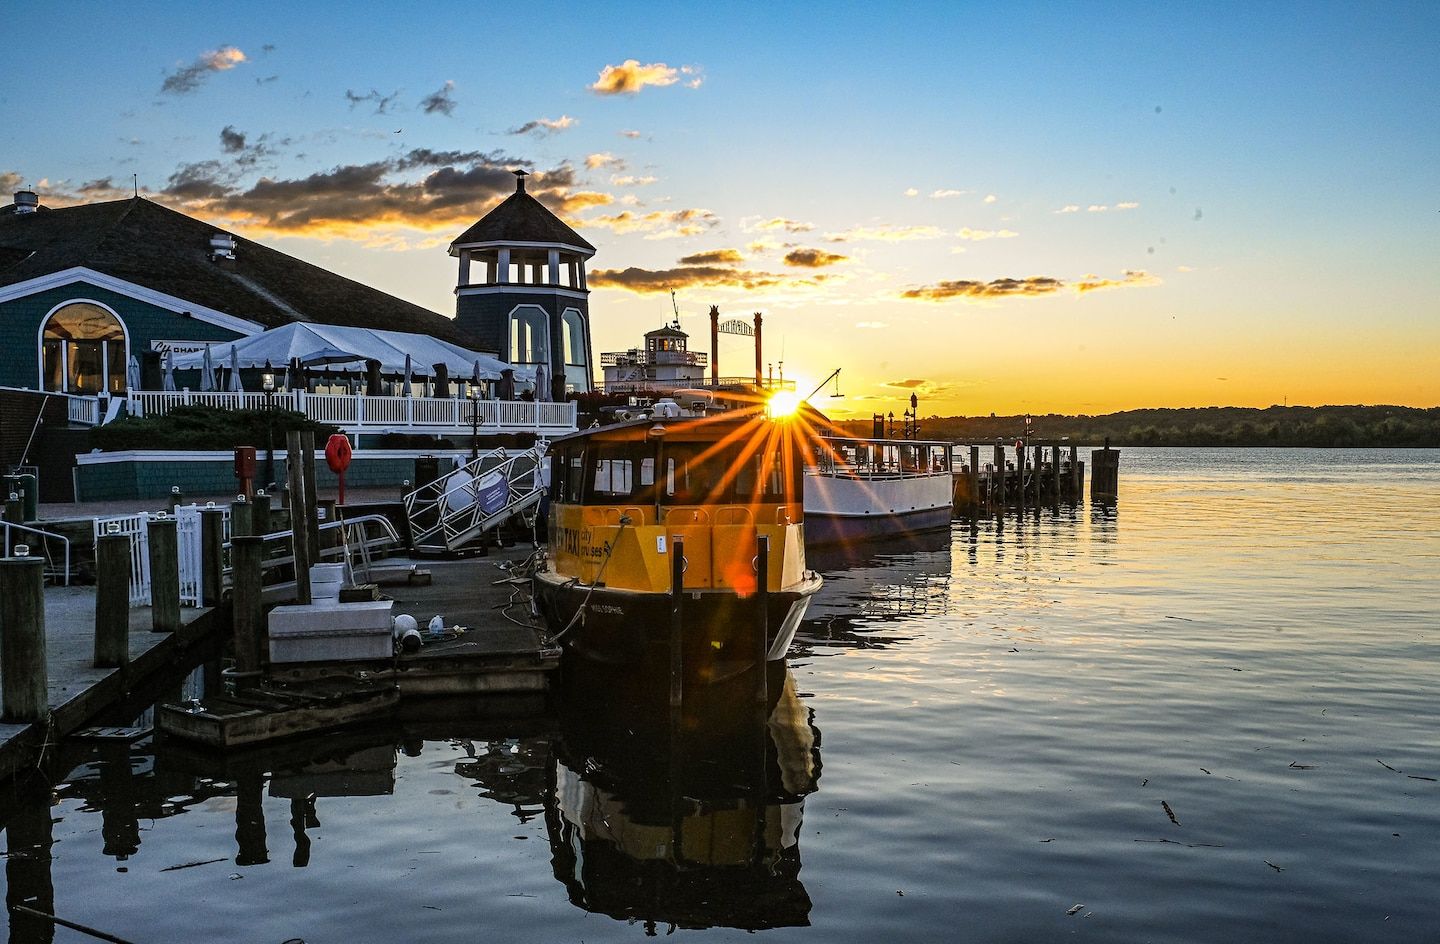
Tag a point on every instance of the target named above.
point(783, 403)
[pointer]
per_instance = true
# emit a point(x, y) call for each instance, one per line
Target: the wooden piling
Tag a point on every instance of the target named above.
point(246, 605)
point(307, 459)
point(112, 601)
point(1021, 461)
point(762, 625)
point(1105, 474)
point(974, 477)
point(299, 521)
point(242, 517)
point(997, 480)
point(23, 680)
point(174, 500)
point(1055, 473)
point(29, 841)
point(677, 622)
point(260, 513)
point(1075, 489)
point(212, 555)
point(164, 575)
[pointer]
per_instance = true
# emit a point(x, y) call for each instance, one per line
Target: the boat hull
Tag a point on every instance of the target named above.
point(827, 529)
point(627, 628)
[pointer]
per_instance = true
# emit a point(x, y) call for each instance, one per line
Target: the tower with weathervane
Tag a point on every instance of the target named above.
point(521, 290)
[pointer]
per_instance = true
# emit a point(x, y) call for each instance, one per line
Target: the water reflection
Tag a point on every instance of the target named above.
point(871, 584)
point(692, 827)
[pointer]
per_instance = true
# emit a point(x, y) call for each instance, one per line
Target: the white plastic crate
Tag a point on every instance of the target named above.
point(331, 632)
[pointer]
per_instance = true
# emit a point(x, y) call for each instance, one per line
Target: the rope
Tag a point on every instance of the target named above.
point(580, 610)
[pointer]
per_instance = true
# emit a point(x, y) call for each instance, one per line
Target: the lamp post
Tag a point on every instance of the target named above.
point(474, 392)
point(267, 383)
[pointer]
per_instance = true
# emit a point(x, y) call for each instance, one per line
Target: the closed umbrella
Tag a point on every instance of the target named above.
point(168, 382)
point(542, 384)
point(475, 377)
point(235, 385)
point(132, 373)
point(207, 372)
point(405, 391)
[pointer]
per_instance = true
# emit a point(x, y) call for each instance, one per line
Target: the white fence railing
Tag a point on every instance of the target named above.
point(190, 548)
point(359, 413)
point(135, 528)
point(84, 411)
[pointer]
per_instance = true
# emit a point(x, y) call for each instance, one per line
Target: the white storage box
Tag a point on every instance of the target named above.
point(331, 632)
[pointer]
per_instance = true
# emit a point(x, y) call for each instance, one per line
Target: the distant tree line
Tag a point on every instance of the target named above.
point(1333, 426)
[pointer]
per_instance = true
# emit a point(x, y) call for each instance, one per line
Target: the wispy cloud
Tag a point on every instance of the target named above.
point(977, 235)
point(758, 224)
point(657, 224)
point(812, 258)
point(946, 194)
point(713, 257)
point(604, 159)
point(630, 76)
point(990, 198)
point(1098, 207)
point(911, 192)
point(1069, 208)
point(630, 133)
point(383, 103)
point(628, 180)
point(1029, 287)
point(543, 127)
point(188, 78)
point(441, 100)
point(884, 232)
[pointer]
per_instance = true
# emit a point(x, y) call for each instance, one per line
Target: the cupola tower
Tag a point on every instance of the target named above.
point(521, 290)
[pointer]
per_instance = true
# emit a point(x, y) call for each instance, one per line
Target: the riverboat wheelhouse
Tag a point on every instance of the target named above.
point(624, 497)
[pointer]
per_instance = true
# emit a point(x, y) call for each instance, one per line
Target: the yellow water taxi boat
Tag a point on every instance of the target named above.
point(625, 498)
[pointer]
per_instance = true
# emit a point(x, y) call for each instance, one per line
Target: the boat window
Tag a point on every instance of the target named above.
point(613, 470)
point(693, 477)
point(574, 476)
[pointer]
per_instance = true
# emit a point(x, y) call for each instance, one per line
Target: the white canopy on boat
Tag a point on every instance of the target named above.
point(315, 344)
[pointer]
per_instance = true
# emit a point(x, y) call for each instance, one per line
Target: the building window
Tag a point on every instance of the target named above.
point(529, 335)
point(84, 350)
point(577, 356)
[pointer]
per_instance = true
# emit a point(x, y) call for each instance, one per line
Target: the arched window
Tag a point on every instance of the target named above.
point(529, 335)
point(84, 350)
point(577, 351)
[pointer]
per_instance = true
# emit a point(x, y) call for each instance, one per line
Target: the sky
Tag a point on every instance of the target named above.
point(1072, 208)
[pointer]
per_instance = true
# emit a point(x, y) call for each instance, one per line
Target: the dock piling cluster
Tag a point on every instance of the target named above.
point(1028, 474)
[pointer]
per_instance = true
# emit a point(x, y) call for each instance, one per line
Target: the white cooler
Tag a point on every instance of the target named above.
point(331, 632)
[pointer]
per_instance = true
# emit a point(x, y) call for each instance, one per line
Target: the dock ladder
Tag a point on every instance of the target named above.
point(481, 495)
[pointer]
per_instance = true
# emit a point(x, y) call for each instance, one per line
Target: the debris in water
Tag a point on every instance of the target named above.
point(1187, 845)
point(1386, 766)
point(191, 865)
point(1185, 618)
point(1272, 865)
point(1414, 777)
point(1075, 909)
point(1302, 766)
point(1204, 771)
point(900, 893)
point(1145, 782)
point(235, 876)
point(1170, 813)
point(1047, 840)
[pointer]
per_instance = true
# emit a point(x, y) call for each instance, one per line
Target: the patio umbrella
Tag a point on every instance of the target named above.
point(132, 373)
point(542, 384)
point(235, 386)
point(168, 382)
point(207, 372)
point(405, 391)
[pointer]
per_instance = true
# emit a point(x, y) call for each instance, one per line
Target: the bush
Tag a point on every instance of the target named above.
point(206, 428)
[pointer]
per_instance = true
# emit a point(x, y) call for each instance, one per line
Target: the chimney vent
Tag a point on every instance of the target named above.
point(520, 176)
point(222, 246)
point(26, 201)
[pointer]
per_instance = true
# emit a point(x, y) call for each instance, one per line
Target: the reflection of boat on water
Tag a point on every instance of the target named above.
point(866, 489)
point(697, 831)
point(904, 578)
point(624, 496)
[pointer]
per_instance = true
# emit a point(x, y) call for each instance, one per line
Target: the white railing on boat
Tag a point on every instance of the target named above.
point(359, 413)
point(881, 458)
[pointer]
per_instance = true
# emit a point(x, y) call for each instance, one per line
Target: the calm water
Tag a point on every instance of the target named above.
point(973, 738)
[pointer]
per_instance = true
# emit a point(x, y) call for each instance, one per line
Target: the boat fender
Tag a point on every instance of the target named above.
point(407, 636)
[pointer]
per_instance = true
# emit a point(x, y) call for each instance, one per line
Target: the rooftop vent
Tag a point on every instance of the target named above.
point(26, 201)
point(222, 246)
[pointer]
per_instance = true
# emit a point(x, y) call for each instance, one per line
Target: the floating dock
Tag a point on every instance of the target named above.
point(997, 475)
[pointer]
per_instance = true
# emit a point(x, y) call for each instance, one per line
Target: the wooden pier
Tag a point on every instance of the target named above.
point(997, 475)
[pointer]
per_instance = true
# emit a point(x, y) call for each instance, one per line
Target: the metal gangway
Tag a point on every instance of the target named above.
point(481, 495)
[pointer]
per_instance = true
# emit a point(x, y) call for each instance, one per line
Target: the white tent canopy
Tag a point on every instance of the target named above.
point(315, 344)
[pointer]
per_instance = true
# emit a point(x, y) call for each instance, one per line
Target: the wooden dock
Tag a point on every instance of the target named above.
point(997, 475)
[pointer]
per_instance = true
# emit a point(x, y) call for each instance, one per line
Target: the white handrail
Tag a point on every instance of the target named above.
point(65, 542)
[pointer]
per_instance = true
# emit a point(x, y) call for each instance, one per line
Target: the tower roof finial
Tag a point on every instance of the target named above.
point(520, 176)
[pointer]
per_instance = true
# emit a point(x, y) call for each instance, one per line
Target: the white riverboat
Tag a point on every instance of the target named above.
point(861, 489)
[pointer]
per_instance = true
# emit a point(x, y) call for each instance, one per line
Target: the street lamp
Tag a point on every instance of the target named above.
point(474, 392)
point(267, 383)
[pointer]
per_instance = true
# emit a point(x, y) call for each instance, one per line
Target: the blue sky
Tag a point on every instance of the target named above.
point(1018, 207)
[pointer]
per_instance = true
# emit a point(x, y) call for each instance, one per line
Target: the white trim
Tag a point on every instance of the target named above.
point(516, 244)
point(501, 288)
point(64, 354)
point(173, 303)
point(168, 455)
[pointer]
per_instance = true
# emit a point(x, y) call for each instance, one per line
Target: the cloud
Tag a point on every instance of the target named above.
point(440, 100)
point(1069, 208)
point(604, 159)
point(544, 127)
point(876, 325)
point(911, 192)
point(990, 198)
point(629, 77)
point(977, 235)
point(629, 133)
point(905, 384)
point(1126, 206)
point(231, 141)
point(383, 103)
point(632, 181)
point(660, 224)
point(757, 224)
point(355, 201)
point(885, 232)
point(713, 257)
point(929, 388)
point(188, 78)
point(648, 281)
point(812, 258)
point(1029, 287)
point(946, 194)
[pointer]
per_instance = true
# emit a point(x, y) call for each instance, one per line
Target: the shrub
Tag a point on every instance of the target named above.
point(206, 428)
